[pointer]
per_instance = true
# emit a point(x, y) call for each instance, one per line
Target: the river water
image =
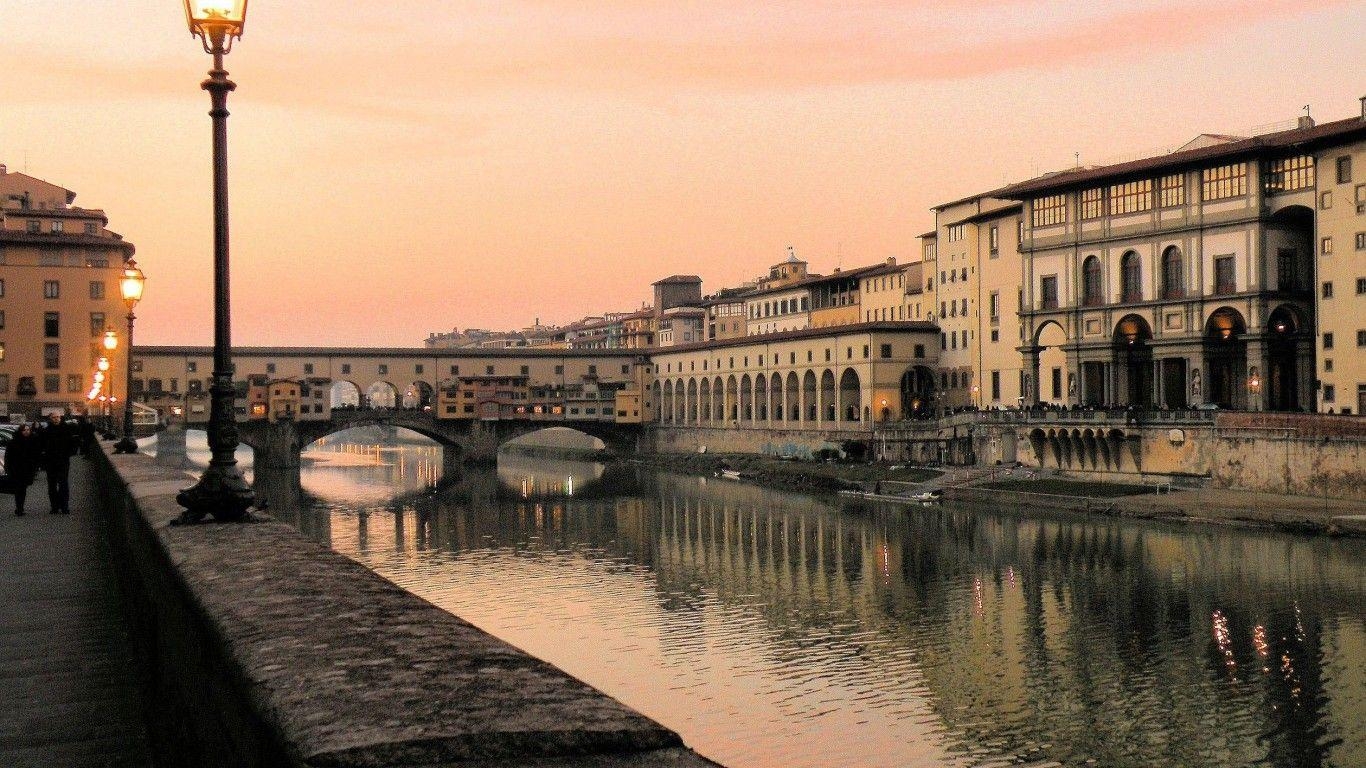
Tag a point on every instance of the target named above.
point(785, 630)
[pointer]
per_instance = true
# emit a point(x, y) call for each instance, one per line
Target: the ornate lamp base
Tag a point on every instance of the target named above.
point(221, 492)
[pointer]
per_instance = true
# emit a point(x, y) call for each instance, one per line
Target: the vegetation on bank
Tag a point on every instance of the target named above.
point(796, 475)
point(1077, 488)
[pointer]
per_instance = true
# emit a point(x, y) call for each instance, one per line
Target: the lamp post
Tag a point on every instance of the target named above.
point(130, 285)
point(221, 491)
point(111, 343)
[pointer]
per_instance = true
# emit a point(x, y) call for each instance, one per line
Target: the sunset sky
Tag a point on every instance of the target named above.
point(399, 168)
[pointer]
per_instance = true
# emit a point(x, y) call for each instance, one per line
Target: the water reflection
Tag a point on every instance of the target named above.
point(773, 629)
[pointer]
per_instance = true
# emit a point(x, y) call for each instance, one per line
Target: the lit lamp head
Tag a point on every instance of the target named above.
point(111, 340)
point(216, 22)
point(131, 285)
point(103, 364)
point(99, 377)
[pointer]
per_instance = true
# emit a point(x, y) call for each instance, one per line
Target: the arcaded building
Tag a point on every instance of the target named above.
point(1193, 277)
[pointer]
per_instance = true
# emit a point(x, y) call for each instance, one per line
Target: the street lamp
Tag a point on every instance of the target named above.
point(221, 490)
point(130, 285)
point(111, 343)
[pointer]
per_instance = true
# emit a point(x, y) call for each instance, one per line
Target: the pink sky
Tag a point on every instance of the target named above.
point(404, 167)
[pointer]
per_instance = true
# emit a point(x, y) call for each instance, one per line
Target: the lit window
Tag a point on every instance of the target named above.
point(1049, 210)
point(1223, 182)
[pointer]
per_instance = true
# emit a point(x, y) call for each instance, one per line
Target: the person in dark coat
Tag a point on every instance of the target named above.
point(85, 428)
point(59, 445)
point(21, 464)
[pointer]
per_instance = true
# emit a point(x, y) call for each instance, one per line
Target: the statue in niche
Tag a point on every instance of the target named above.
point(1072, 385)
point(1195, 382)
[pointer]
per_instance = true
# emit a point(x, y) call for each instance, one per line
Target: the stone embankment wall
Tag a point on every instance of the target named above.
point(1303, 454)
point(262, 648)
point(798, 443)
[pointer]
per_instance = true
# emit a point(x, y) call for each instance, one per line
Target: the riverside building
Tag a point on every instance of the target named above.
point(1198, 276)
point(59, 294)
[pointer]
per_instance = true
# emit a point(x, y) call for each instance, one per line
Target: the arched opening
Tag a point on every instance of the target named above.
point(667, 402)
point(691, 413)
point(381, 394)
point(828, 396)
point(775, 396)
point(1092, 282)
point(917, 392)
point(718, 398)
point(344, 395)
point(1133, 360)
point(793, 398)
point(1225, 358)
point(657, 391)
point(761, 397)
point(851, 395)
point(809, 395)
point(1131, 277)
point(419, 395)
point(704, 397)
point(746, 399)
point(1284, 342)
point(1052, 364)
point(732, 399)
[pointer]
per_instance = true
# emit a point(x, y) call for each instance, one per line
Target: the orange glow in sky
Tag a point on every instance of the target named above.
point(399, 167)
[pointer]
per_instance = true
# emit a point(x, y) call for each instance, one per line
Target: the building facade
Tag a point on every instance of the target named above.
point(59, 295)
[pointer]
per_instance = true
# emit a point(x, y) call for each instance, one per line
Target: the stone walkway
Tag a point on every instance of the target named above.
point(68, 689)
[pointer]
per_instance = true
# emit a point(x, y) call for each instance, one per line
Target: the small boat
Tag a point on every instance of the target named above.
point(926, 496)
point(729, 474)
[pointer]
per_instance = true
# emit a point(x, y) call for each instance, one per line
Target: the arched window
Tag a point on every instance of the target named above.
point(1091, 290)
point(1173, 278)
point(1131, 277)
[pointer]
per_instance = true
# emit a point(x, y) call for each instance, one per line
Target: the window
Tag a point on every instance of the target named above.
point(2, 350)
point(994, 241)
point(2, 288)
point(1325, 200)
point(52, 324)
point(2, 319)
point(1360, 241)
point(1131, 277)
point(52, 289)
point(383, 369)
point(418, 368)
point(1328, 289)
point(96, 261)
point(455, 370)
point(1092, 203)
point(1326, 246)
point(1223, 182)
point(52, 356)
point(270, 368)
point(91, 228)
point(1289, 174)
point(995, 385)
point(1132, 197)
point(52, 383)
point(1057, 383)
point(346, 367)
point(1344, 165)
point(1327, 365)
point(956, 232)
point(1361, 289)
point(1092, 291)
point(1049, 210)
point(1361, 338)
point(308, 368)
point(593, 369)
point(58, 226)
point(1173, 277)
point(1328, 340)
point(1329, 393)
point(488, 370)
point(74, 383)
point(97, 324)
point(50, 259)
point(1224, 280)
point(33, 226)
point(1361, 198)
point(995, 335)
point(1172, 190)
point(192, 367)
point(1048, 292)
point(1285, 269)
point(919, 351)
point(994, 306)
point(4, 383)
point(96, 289)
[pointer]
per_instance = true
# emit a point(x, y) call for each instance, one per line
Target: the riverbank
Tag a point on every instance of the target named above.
point(827, 477)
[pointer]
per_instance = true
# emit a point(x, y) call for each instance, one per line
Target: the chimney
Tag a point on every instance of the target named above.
point(1305, 122)
point(4, 170)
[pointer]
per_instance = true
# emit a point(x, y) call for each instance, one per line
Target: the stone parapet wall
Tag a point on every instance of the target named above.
point(263, 648)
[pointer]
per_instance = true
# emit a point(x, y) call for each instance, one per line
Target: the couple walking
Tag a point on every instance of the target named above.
point(51, 450)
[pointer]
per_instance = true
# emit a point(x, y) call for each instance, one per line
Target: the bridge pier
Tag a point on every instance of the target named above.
point(277, 445)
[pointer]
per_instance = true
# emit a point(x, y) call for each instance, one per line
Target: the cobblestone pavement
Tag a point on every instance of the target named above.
point(68, 688)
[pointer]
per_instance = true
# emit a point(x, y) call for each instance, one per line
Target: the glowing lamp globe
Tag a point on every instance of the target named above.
point(131, 283)
point(111, 340)
point(216, 22)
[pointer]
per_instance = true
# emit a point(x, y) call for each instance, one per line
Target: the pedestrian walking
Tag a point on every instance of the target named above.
point(21, 464)
point(85, 429)
point(59, 445)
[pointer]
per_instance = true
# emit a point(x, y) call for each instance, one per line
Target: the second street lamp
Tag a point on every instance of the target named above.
point(130, 285)
point(221, 491)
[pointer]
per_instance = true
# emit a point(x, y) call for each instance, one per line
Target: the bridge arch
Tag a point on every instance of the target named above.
point(381, 394)
point(345, 393)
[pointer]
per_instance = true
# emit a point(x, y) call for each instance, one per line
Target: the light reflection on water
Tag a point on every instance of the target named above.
point(775, 629)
